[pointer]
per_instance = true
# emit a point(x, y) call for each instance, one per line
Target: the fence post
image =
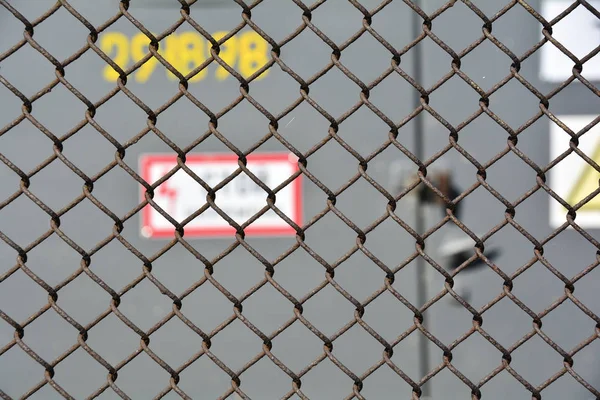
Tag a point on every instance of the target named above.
point(423, 345)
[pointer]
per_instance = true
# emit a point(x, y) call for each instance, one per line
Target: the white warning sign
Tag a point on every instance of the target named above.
point(578, 32)
point(573, 179)
point(241, 199)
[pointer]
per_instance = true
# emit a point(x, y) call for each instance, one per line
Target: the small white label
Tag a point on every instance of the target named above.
point(181, 195)
point(573, 178)
point(578, 32)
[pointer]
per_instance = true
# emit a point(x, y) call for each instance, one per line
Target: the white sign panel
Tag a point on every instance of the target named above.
point(181, 196)
point(573, 178)
point(578, 32)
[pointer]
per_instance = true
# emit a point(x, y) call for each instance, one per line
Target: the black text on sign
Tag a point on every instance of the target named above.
point(241, 199)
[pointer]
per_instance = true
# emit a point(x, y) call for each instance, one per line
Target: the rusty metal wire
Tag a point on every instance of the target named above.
point(178, 300)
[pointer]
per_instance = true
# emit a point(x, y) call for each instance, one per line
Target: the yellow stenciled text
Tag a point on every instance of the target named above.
point(188, 53)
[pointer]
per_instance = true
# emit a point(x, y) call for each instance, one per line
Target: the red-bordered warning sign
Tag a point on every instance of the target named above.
point(181, 195)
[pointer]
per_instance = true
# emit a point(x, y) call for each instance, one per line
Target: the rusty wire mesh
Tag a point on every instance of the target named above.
point(178, 299)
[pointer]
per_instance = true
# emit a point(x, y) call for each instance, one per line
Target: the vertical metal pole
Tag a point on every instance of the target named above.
point(419, 139)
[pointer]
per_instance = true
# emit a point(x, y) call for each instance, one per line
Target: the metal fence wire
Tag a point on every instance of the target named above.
point(424, 182)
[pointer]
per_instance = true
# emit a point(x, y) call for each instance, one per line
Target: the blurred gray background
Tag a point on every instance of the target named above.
point(53, 260)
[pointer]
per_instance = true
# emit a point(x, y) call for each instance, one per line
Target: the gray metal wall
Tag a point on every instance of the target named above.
point(56, 185)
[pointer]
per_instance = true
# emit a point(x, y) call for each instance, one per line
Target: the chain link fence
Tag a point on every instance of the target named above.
point(160, 264)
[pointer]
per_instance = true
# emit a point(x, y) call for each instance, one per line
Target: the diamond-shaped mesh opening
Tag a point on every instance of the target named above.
point(303, 127)
point(81, 296)
point(262, 13)
point(286, 95)
point(388, 324)
point(547, 288)
point(364, 131)
point(206, 307)
point(13, 29)
point(397, 111)
point(504, 384)
point(325, 227)
point(28, 157)
point(560, 29)
point(255, 126)
point(566, 385)
point(506, 334)
point(238, 277)
point(452, 384)
point(144, 305)
point(407, 355)
point(568, 313)
point(61, 34)
point(516, 117)
point(354, 59)
point(177, 269)
point(464, 106)
point(533, 206)
point(204, 378)
point(170, 342)
point(97, 152)
point(514, 27)
point(406, 278)
point(72, 226)
point(277, 386)
point(113, 340)
point(444, 27)
point(392, 21)
point(317, 51)
point(523, 177)
point(482, 130)
point(385, 381)
point(142, 369)
point(328, 311)
point(268, 310)
point(536, 352)
point(585, 364)
point(59, 176)
point(357, 350)
point(54, 268)
point(476, 357)
point(299, 280)
point(20, 372)
point(327, 379)
point(297, 347)
point(79, 374)
point(447, 321)
point(337, 103)
point(238, 337)
point(370, 211)
point(348, 16)
point(121, 130)
point(360, 277)
point(19, 286)
point(56, 337)
point(41, 70)
point(331, 175)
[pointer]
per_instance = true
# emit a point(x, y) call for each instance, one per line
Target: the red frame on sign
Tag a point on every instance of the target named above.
point(147, 160)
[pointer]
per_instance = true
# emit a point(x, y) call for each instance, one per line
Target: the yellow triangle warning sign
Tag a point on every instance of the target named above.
point(586, 183)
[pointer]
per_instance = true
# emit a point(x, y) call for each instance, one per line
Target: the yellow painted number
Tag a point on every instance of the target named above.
point(229, 54)
point(253, 54)
point(170, 53)
point(139, 49)
point(119, 44)
point(186, 52)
